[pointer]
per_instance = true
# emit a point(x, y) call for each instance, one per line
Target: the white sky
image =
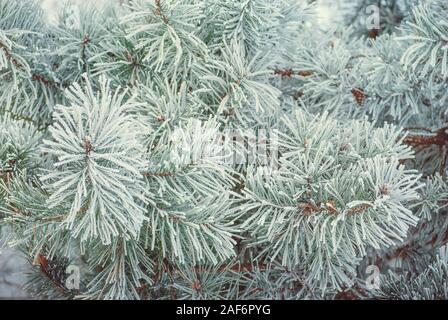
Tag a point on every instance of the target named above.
point(51, 6)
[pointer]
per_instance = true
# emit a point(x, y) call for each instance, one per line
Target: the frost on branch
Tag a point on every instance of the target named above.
point(98, 164)
point(338, 191)
point(135, 142)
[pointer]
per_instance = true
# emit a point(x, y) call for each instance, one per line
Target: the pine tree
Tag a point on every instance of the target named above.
point(222, 149)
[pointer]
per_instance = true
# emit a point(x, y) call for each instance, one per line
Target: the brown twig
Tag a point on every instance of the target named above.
point(159, 174)
point(438, 138)
point(158, 11)
point(17, 64)
point(329, 206)
point(359, 95)
point(288, 73)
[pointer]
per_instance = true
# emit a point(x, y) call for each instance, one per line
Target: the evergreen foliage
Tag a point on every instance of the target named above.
point(223, 149)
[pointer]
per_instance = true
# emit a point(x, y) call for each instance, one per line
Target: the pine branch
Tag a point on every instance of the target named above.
point(34, 76)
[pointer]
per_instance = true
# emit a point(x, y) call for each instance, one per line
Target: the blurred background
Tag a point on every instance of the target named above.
point(329, 10)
